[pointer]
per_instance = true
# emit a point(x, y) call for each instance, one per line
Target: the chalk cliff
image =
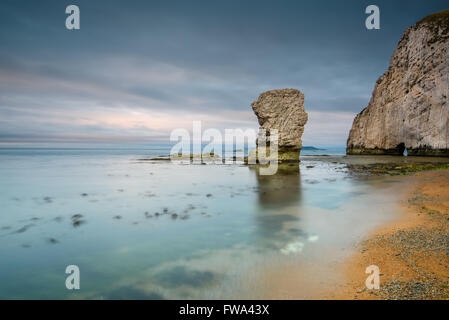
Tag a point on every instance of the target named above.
point(409, 107)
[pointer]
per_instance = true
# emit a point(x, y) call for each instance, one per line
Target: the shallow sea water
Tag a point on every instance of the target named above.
point(158, 230)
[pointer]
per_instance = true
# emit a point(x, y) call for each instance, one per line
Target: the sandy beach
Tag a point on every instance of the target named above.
point(412, 252)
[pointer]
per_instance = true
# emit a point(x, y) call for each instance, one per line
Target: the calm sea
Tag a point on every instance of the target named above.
point(158, 230)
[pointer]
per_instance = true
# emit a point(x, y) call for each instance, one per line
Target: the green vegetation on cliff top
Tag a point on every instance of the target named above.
point(442, 18)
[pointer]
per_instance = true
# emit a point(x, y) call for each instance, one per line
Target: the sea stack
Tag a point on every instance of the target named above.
point(409, 106)
point(282, 110)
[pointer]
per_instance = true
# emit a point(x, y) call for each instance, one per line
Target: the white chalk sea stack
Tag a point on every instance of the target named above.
point(282, 110)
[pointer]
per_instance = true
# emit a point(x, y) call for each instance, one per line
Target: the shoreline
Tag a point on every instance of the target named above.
point(412, 251)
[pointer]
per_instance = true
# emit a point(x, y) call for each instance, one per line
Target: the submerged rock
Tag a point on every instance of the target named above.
point(24, 228)
point(409, 107)
point(281, 110)
point(52, 240)
point(148, 215)
point(76, 220)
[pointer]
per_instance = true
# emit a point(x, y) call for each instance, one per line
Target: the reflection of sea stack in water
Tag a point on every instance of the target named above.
point(282, 189)
point(281, 110)
point(409, 108)
point(279, 199)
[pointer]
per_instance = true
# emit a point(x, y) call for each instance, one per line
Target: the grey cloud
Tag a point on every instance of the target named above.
point(197, 57)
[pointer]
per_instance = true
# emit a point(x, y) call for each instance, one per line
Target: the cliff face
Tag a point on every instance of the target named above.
point(409, 107)
point(282, 110)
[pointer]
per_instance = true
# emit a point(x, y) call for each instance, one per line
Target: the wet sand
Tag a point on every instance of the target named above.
point(412, 252)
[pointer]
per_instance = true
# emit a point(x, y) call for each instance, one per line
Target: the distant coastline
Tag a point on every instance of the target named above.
point(311, 148)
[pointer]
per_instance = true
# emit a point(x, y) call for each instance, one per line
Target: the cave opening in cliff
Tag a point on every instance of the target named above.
point(401, 149)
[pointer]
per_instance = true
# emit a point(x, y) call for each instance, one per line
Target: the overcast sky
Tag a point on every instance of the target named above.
point(138, 69)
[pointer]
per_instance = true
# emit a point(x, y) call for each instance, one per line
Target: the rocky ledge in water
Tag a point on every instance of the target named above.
point(394, 169)
point(281, 110)
point(409, 107)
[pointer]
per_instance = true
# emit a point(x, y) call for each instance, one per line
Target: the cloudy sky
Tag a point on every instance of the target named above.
point(138, 69)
